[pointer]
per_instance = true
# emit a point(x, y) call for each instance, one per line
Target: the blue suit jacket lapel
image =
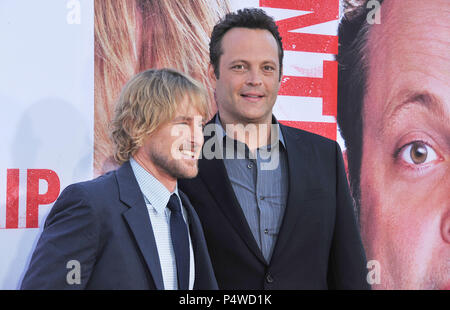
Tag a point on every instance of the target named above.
point(139, 221)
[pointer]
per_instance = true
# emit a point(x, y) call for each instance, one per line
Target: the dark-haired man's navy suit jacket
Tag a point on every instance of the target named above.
point(318, 245)
point(104, 224)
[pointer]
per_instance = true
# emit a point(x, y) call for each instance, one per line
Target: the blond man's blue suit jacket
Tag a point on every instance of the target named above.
point(104, 224)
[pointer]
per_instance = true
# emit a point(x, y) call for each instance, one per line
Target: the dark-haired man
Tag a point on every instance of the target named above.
point(394, 114)
point(273, 200)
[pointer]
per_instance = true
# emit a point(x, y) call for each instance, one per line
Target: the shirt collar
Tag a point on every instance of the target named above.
point(221, 132)
point(154, 191)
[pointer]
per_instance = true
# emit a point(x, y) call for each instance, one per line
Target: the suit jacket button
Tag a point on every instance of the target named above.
point(269, 278)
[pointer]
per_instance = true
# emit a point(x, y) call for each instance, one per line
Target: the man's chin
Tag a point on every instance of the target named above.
point(189, 175)
point(186, 172)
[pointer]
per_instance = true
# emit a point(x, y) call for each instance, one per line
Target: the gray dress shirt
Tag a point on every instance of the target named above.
point(260, 183)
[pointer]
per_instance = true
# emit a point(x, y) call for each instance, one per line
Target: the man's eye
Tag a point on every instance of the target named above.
point(238, 67)
point(269, 68)
point(418, 153)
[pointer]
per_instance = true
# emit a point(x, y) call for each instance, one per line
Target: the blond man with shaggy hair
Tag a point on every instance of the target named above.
point(132, 228)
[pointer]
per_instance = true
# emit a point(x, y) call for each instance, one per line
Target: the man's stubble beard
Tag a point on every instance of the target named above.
point(172, 167)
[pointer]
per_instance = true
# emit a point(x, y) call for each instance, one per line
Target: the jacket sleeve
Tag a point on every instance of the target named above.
point(347, 263)
point(65, 253)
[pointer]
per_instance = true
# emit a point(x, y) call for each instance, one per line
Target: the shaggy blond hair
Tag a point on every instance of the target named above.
point(135, 35)
point(149, 100)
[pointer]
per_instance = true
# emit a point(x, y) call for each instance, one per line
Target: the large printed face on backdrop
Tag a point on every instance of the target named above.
point(248, 81)
point(173, 149)
point(405, 170)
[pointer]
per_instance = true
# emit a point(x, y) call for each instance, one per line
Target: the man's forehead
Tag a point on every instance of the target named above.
point(408, 21)
point(407, 55)
point(188, 109)
point(244, 34)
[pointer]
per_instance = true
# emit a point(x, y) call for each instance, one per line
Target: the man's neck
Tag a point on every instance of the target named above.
point(253, 134)
point(168, 181)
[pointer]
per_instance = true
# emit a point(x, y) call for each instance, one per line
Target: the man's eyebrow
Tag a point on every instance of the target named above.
point(407, 99)
point(247, 62)
point(238, 60)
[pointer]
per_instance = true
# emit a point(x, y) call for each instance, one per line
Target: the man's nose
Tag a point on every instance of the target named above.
point(197, 136)
point(254, 78)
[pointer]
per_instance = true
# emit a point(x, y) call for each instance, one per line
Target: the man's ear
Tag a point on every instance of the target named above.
point(213, 79)
point(212, 75)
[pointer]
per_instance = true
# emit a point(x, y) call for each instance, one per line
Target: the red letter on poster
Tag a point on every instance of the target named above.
point(34, 199)
point(325, 88)
point(12, 198)
point(323, 11)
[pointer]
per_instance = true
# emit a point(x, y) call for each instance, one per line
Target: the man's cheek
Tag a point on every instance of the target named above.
point(376, 214)
point(181, 140)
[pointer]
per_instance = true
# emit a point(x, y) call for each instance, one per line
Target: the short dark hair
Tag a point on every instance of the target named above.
point(251, 18)
point(352, 77)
